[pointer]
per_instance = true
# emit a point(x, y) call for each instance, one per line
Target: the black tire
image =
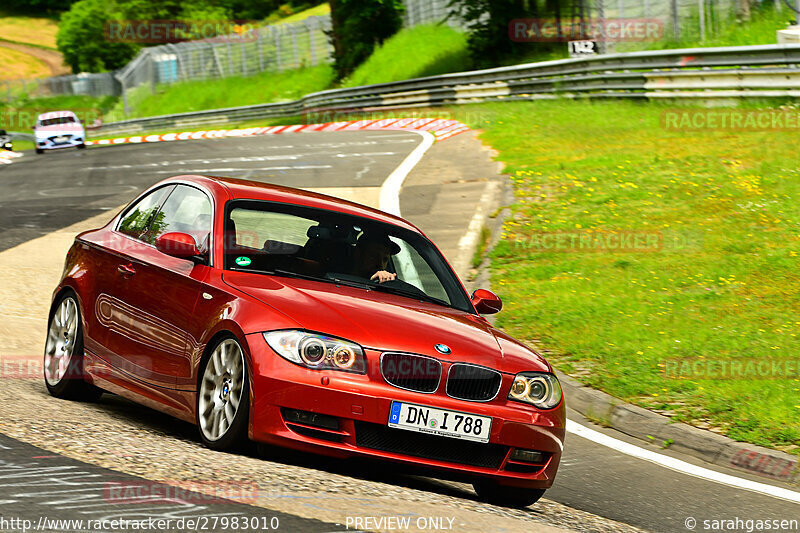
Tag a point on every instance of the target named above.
point(69, 385)
point(39, 151)
point(505, 496)
point(81, 146)
point(212, 400)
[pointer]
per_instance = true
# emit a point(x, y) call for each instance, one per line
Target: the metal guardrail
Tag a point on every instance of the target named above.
point(692, 73)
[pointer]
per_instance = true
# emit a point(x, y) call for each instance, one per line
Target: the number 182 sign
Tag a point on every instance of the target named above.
point(582, 48)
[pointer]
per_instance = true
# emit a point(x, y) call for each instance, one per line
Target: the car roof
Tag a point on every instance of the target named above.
point(56, 114)
point(241, 189)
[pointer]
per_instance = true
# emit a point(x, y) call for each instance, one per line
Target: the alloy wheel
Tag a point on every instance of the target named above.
point(62, 336)
point(221, 389)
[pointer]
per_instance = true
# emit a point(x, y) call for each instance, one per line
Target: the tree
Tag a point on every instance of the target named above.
point(358, 27)
point(81, 38)
point(488, 22)
point(37, 6)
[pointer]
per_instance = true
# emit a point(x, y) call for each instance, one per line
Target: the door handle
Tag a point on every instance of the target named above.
point(126, 270)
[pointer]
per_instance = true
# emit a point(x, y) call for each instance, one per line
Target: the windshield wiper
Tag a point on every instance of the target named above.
point(410, 294)
point(338, 281)
point(289, 274)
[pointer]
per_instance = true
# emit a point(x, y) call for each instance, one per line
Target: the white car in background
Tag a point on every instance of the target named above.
point(58, 129)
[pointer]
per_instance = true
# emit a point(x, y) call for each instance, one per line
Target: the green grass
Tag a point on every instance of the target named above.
point(19, 65)
point(316, 11)
point(225, 92)
point(412, 53)
point(87, 108)
point(761, 29)
point(443, 48)
point(724, 287)
point(23, 145)
point(25, 29)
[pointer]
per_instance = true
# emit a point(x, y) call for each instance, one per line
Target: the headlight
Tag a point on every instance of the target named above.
point(318, 352)
point(540, 390)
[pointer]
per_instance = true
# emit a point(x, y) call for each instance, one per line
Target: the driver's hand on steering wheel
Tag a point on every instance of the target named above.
point(383, 276)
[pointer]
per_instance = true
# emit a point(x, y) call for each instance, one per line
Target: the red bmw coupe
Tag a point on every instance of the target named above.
point(304, 321)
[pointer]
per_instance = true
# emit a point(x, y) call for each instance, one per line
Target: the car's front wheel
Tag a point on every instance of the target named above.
point(63, 353)
point(494, 493)
point(223, 400)
point(39, 151)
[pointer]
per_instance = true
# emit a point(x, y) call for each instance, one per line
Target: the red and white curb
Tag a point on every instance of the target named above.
point(441, 129)
point(7, 157)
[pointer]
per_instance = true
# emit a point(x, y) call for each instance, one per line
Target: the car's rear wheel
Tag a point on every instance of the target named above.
point(223, 400)
point(496, 494)
point(63, 353)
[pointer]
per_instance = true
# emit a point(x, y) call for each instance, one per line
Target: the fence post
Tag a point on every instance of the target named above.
point(311, 43)
point(278, 50)
point(601, 15)
point(126, 108)
point(676, 22)
point(244, 58)
point(293, 31)
point(701, 6)
point(260, 46)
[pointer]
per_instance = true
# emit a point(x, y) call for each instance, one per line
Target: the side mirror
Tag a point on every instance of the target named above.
point(486, 302)
point(180, 245)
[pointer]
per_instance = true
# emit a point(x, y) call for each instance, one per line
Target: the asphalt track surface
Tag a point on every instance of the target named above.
point(46, 490)
point(40, 194)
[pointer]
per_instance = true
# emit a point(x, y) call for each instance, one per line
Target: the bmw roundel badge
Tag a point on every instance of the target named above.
point(443, 349)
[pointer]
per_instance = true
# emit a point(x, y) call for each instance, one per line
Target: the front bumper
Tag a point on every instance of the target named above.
point(60, 141)
point(360, 406)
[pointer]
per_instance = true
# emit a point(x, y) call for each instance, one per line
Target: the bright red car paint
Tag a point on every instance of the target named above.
point(149, 317)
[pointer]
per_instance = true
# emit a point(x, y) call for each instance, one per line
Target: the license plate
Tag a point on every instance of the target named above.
point(60, 139)
point(443, 422)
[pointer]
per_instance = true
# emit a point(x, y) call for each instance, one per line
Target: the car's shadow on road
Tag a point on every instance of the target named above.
point(363, 469)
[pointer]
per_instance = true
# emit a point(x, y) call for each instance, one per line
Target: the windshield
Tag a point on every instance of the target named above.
point(57, 120)
point(326, 246)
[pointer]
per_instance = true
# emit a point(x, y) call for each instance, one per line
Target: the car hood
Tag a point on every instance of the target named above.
point(386, 322)
point(57, 129)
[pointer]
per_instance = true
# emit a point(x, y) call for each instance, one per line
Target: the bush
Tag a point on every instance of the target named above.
point(81, 39)
point(358, 27)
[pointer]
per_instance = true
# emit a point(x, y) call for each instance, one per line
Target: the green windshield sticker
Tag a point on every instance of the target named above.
point(243, 261)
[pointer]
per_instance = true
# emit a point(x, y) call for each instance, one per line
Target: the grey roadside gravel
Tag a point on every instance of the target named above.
point(122, 436)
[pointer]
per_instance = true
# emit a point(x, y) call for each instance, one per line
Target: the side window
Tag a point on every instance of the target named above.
point(137, 220)
point(187, 210)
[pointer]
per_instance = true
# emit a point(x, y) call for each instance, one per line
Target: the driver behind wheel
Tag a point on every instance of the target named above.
point(371, 257)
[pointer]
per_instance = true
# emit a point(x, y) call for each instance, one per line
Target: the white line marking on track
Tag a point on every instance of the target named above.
point(389, 201)
point(207, 170)
point(680, 466)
